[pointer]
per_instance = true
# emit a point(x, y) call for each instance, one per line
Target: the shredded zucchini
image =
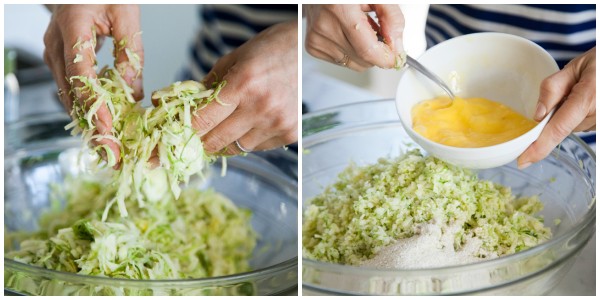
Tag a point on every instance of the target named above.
point(370, 207)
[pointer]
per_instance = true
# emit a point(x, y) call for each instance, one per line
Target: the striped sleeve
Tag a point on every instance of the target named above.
point(565, 31)
point(226, 27)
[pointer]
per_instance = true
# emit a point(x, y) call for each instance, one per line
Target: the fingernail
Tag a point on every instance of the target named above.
point(524, 165)
point(540, 111)
point(138, 88)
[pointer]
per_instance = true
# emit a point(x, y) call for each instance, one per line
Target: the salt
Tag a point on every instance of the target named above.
point(432, 247)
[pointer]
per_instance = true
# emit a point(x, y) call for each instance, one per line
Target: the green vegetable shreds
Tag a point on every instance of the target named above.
point(203, 234)
point(157, 230)
point(373, 206)
point(165, 130)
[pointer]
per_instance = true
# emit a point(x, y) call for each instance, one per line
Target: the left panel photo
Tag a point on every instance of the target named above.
point(151, 150)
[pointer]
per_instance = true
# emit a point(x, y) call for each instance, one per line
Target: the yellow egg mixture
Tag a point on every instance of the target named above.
point(468, 123)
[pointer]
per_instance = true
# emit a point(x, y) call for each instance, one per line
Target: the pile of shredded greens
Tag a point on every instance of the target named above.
point(157, 230)
point(371, 207)
point(202, 234)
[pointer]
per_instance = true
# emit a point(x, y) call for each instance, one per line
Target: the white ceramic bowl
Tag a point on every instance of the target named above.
point(497, 66)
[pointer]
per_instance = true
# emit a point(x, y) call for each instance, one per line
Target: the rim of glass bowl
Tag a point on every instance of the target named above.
point(36, 271)
point(588, 220)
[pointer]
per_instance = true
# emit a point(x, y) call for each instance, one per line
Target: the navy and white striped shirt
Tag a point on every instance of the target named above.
point(226, 27)
point(564, 30)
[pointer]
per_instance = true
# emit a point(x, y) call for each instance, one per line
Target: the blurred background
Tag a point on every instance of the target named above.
point(168, 31)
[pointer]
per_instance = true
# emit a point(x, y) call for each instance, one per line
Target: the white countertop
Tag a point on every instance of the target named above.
point(320, 91)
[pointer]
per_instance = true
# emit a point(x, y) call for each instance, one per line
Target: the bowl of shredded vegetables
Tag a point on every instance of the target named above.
point(381, 216)
point(229, 231)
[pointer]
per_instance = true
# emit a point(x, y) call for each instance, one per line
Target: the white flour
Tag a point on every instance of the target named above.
point(428, 249)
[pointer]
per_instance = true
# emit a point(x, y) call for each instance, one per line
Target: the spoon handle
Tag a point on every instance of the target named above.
point(419, 67)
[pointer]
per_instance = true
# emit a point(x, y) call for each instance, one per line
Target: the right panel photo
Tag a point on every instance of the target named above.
point(448, 149)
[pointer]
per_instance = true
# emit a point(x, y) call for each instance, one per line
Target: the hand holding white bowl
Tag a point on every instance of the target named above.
point(573, 91)
point(504, 68)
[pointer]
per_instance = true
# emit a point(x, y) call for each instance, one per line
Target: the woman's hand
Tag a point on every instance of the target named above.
point(261, 94)
point(346, 35)
point(70, 51)
point(572, 91)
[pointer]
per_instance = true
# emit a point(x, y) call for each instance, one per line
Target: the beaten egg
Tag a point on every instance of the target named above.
point(468, 123)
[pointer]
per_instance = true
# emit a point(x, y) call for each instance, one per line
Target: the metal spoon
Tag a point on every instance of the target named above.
point(419, 67)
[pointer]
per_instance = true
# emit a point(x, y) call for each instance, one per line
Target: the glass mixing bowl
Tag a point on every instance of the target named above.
point(35, 155)
point(366, 131)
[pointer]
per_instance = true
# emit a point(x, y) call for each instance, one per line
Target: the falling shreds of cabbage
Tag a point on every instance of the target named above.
point(146, 235)
point(151, 243)
point(370, 207)
point(139, 131)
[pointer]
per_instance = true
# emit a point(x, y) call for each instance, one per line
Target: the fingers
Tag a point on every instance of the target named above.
point(261, 140)
point(227, 132)
point(577, 112)
point(220, 69)
point(324, 49)
point(348, 28)
point(55, 60)
point(112, 146)
point(351, 61)
point(589, 124)
point(553, 90)
point(80, 59)
point(358, 65)
point(391, 21)
point(366, 45)
point(154, 160)
point(261, 93)
point(242, 127)
point(207, 118)
point(79, 55)
point(570, 114)
point(129, 50)
point(103, 120)
point(275, 132)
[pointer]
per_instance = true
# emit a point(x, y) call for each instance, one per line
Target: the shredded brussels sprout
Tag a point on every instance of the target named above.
point(371, 207)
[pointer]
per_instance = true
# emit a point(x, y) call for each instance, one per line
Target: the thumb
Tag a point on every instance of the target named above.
point(129, 51)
